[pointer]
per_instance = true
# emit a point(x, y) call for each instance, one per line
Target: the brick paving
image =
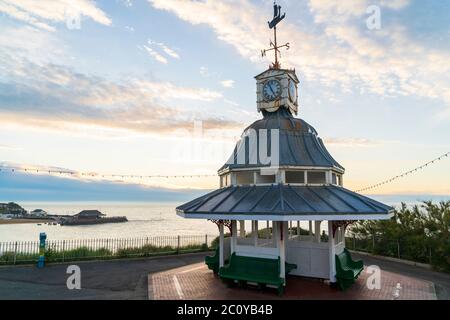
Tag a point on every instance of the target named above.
point(196, 282)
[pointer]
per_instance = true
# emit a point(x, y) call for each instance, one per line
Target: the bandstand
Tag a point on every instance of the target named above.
point(281, 196)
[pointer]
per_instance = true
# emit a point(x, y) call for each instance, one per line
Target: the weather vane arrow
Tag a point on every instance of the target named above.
point(277, 18)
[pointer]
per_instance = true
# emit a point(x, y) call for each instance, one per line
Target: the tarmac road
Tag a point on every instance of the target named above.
point(127, 279)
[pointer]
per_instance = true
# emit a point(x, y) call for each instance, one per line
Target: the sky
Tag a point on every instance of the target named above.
point(166, 87)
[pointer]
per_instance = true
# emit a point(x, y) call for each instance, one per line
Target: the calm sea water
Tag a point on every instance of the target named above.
point(144, 220)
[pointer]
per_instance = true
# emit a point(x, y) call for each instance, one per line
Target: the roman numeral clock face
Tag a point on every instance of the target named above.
point(272, 90)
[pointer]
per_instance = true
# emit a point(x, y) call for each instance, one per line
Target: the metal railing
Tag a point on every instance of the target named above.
point(396, 248)
point(21, 252)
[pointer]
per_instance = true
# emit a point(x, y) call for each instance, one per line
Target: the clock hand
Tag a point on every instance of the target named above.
point(270, 87)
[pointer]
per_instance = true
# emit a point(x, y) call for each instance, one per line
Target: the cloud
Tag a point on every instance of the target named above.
point(155, 55)
point(9, 148)
point(44, 12)
point(157, 49)
point(55, 96)
point(227, 83)
point(170, 52)
point(339, 11)
point(32, 187)
point(338, 52)
point(204, 72)
point(127, 3)
point(351, 142)
point(36, 90)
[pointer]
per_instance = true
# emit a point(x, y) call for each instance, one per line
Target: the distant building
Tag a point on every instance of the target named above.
point(89, 214)
point(39, 213)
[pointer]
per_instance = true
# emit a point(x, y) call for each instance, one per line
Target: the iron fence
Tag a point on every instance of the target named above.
point(396, 248)
point(21, 252)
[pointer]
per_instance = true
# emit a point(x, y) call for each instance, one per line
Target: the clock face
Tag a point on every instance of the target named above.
point(292, 91)
point(272, 90)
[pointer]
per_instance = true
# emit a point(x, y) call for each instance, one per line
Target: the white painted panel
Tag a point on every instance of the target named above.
point(311, 258)
point(259, 252)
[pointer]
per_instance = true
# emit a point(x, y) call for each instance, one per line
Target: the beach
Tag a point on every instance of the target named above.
point(22, 221)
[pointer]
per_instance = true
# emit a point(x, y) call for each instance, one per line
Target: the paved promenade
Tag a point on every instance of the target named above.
point(196, 282)
point(129, 279)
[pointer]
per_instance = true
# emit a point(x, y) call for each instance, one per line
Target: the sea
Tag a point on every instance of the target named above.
point(145, 219)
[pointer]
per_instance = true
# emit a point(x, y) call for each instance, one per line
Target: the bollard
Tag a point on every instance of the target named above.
point(41, 260)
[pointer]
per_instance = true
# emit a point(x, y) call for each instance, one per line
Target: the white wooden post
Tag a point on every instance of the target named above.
point(221, 246)
point(329, 177)
point(332, 252)
point(242, 228)
point(233, 235)
point(317, 230)
point(310, 230)
point(290, 228)
point(275, 233)
point(255, 232)
point(282, 228)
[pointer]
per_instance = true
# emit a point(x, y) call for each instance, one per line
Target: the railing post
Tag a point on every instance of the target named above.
point(354, 242)
point(398, 248)
point(206, 240)
point(178, 244)
point(15, 252)
point(64, 251)
point(430, 256)
point(373, 243)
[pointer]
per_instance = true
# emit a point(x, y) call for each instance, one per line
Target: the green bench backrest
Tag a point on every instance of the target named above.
point(343, 260)
point(255, 266)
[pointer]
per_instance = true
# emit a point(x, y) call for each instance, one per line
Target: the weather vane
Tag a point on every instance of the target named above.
point(277, 17)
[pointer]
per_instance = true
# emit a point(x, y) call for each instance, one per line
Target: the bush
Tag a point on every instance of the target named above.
point(422, 233)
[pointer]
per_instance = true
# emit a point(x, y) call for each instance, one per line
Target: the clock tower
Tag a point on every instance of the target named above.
point(277, 88)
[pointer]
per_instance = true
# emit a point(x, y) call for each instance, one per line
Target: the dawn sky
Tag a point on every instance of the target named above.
point(166, 86)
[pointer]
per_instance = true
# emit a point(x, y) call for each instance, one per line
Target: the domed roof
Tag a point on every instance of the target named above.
point(299, 144)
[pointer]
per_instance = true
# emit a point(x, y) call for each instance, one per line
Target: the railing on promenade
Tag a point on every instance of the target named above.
point(20, 252)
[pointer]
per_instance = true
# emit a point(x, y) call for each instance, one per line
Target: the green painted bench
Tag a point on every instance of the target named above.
point(347, 269)
point(288, 267)
point(213, 261)
point(258, 270)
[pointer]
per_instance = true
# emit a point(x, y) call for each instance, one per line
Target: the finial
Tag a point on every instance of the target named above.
point(277, 17)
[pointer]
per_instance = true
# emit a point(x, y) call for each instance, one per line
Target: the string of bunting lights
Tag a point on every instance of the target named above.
point(404, 174)
point(13, 169)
